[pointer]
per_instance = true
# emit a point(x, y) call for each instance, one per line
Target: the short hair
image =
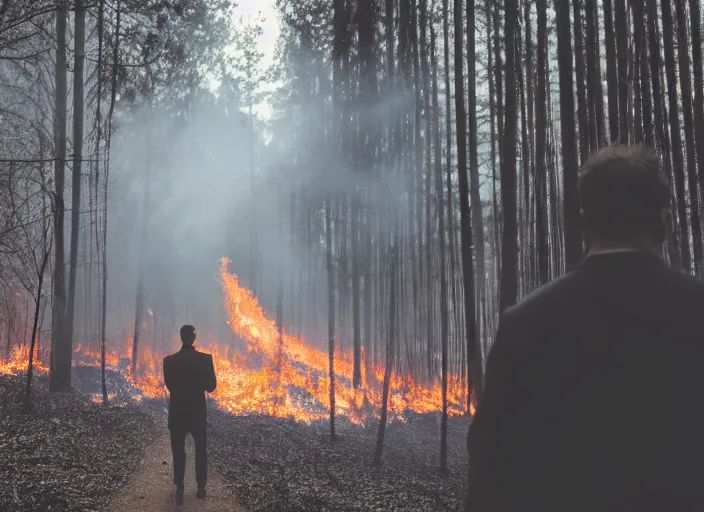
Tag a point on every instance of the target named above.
point(188, 334)
point(622, 191)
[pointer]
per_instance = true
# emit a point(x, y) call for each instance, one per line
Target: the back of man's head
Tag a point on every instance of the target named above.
point(624, 195)
point(188, 334)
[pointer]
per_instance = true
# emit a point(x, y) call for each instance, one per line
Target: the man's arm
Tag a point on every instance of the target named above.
point(210, 382)
point(496, 435)
point(168, 379)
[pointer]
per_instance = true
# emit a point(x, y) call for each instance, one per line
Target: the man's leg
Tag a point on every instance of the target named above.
point(200, 440)
point(178, 449)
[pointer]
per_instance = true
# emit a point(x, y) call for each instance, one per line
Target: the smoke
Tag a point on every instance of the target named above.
point(189, 175)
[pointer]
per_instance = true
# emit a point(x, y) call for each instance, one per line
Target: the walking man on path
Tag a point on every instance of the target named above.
point(594, 383)
point(188, 375)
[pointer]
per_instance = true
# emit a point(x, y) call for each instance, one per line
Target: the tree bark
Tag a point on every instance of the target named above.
point(509, 253)
point(474, 355)
point(695, 17)
point(37, 302)
point(690, 147)
point(60, 363)
point(541, 223)
point(573, 239)
point(78, 104)
point(391, 340)
point(621, 31)
point(580, 72)
point(331, 312)
point(611, 70)
point(675, 134)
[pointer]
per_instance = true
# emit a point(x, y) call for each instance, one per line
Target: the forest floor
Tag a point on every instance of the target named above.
point(73, 455)
point(151, 487)
point(68, 454)
point(278, 465)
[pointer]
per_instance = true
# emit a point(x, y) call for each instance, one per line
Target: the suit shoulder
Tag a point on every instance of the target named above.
point(204, 355)
point(548, 294)
point(686, 280)
point(687, 287)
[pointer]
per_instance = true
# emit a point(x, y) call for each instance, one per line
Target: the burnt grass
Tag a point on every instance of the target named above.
point(278, 465)
point(68, 454)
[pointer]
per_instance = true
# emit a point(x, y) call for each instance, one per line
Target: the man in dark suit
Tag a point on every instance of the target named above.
point(594, 382)
point(188, 374)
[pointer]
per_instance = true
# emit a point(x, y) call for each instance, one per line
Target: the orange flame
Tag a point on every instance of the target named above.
point(279, 375)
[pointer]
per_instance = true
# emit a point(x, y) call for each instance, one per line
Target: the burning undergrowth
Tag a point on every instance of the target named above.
point(269, 419)
point(278, 375)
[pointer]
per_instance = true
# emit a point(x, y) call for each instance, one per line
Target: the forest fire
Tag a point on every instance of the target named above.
point(279, 375)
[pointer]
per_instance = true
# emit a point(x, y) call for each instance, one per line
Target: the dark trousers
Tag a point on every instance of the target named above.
point(178, 448)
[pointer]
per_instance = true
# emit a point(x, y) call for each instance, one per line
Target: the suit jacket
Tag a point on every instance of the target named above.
point(593, 394)
point(188, 374)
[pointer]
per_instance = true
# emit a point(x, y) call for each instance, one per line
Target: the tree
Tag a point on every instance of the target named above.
point(77, 178)
point(541, 134)
point(390, 342)
point(573, 243)
point(40, 269)
point(509, 253)
point(60, 367)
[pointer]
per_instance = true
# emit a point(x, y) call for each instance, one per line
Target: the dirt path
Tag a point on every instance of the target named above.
point(151, 488)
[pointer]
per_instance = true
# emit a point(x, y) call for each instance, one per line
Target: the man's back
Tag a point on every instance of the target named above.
point(188, 374)
point(592, 393)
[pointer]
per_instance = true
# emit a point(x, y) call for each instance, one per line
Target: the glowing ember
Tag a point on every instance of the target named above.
point(289, 380)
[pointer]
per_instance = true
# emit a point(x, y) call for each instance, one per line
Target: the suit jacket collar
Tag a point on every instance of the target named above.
point(185, 348)
point(622, 258)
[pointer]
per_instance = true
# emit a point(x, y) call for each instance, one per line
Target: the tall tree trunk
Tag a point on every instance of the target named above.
point(474, 355)
point(492, 131)
point(417, 242)
point(611, 70)
point(356, 321)
point(695, 17)
point(498, 74)
point(509, 254)
point(523, 203)
point(594, 76)
point(675, 134)
point(331, 310)
point(37, 302)
point(254, 234)
point(103, 251)
point(391, 341)
point(580, 72)
point(436, 143)
point(441, 231)
point(621, 26)
point(79, 56)
point(687, 108)
point(368, 97)
point(144, 240)
point(639, 29)
point(60, 364)
point(541, 123)
point(573, 239)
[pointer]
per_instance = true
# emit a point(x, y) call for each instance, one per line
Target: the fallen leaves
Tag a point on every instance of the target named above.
point(278, 465)
point(68, 454)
